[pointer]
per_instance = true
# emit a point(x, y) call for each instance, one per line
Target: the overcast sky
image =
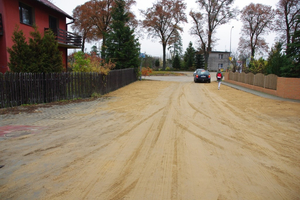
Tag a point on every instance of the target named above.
point(154, 48)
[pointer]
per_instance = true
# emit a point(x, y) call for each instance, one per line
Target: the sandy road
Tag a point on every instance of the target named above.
point(158, 140)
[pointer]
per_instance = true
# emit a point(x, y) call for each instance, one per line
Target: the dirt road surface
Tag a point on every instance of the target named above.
point(155, 140)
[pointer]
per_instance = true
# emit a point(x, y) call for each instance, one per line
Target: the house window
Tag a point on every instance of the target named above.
point(53, 25)
point(220, 66)
point(26, 14)
point(220, 56)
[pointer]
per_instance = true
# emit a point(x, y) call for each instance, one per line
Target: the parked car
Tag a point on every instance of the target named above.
point(202, 75)
point(196, 71)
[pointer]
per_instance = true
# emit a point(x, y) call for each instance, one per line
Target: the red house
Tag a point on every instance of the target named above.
point(26, 13)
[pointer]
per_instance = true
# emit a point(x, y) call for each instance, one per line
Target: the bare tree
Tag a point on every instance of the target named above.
point(82, 25)
point(286, 20)
point(162, 21)
point(257, 20)
point(211, 15)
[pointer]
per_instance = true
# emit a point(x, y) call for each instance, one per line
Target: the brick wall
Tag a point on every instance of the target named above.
point(286, 87)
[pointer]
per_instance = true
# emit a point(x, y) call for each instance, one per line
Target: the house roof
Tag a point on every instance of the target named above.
point(220, 52)
point(54, 7)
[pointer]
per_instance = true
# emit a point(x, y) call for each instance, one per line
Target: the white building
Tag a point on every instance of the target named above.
point(218, 60)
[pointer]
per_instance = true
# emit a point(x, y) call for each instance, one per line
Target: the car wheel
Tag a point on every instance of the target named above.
point(208, 81)
point(195, 81)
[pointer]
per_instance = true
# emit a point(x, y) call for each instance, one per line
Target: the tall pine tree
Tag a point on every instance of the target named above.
point(189, 57)
point(177, 62)
point(53, 57)
point(19, 52)
point(175, 44)
point(199, 61)
point(121, 46)
point(40, 55)
point(293, 53)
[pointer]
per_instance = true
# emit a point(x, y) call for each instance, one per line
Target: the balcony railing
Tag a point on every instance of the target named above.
point(67, 39)
point(1, 25)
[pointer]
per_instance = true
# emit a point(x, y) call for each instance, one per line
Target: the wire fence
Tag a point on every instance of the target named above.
point(34, 88)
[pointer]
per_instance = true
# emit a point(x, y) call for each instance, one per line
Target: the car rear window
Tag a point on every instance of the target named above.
point(202, 72)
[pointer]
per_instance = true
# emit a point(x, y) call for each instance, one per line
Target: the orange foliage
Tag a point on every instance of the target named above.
point(146, 71)
point(82, 62)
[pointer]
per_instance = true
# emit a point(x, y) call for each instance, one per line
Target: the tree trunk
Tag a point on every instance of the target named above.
point(208, 51)
point(206, 56)
point(102, 53)
point(252, 52)
point(164, 56)
point(288, 37)
point(83, 42)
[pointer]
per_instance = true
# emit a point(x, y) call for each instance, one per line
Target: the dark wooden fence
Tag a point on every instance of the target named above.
point(28, 88)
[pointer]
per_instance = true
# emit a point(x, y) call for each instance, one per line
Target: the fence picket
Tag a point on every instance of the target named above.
point(71, 86)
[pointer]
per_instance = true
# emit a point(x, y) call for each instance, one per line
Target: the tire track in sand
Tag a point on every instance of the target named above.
point(118, 190)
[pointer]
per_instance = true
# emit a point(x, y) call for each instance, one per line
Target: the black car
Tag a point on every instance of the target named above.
point(196, 71)
point(201, 75)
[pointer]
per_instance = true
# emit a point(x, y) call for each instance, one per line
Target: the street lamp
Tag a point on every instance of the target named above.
point(229, 58)
point(230, 38)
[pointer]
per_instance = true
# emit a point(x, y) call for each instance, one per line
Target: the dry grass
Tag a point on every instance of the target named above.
point(166, 73)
